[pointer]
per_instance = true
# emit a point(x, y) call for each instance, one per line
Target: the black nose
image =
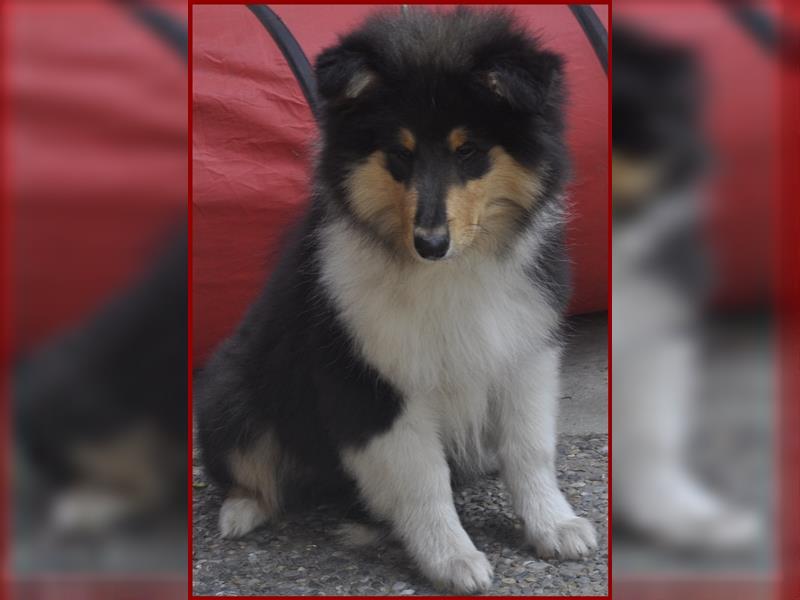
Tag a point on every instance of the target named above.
point(432, 246)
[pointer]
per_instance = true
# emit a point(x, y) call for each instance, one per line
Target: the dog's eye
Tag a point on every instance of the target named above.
point(403, 154)
point(465, 151)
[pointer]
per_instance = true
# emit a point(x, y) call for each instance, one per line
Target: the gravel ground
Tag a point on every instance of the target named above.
point(732, 451)
point(301, 555)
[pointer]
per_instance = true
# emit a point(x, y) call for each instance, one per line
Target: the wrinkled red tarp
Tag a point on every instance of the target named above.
point(97, 170)
point(252, 136)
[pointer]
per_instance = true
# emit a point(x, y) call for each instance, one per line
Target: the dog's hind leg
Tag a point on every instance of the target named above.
point(256, 495)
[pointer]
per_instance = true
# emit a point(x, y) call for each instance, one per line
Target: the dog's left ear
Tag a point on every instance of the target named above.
point(525, 83)
point(343, 74)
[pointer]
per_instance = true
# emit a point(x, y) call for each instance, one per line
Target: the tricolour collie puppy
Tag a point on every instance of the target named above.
point(412, 324)
point(661, 282)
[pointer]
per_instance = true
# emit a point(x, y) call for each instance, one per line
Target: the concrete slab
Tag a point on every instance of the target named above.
point(584, 382)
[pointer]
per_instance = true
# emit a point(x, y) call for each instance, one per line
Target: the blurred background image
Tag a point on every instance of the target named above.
point(97, 323)
point(97, 307)
point(695, 406)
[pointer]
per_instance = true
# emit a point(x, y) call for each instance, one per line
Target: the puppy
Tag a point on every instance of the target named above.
point(412, 323)
point(661, 276)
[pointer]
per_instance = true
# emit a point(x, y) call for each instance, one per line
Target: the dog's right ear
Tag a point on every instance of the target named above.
point(343, 74)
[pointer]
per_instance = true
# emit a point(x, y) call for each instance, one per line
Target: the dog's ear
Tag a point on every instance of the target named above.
point(524, 82)
point(343, 74)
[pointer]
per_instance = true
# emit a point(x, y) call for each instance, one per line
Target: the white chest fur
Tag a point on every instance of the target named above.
point(438, 328)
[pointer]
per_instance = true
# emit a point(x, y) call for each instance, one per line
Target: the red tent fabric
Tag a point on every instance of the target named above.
point(252, 144)
point(97, 170)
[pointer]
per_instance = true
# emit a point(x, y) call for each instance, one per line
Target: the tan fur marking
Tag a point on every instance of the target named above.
point(631, 179)
point(456, 138)
point(483, 212)
point(258, 471)
point(132, 462)
point(407, 139)
point(378, 199)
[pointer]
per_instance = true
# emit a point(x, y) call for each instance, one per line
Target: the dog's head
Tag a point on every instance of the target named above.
point(658, 140)
point(441, 131)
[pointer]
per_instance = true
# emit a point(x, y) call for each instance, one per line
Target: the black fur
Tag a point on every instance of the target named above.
point(658, 102)
point(291, 366)
point(123, 366)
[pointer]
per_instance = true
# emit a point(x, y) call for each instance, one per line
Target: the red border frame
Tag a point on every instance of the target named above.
point(5, 310)
point(190, 313)
point(788, 307)
point(610, 309)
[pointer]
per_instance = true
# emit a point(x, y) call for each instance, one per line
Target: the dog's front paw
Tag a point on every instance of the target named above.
point(465, 574)
point(569, 539)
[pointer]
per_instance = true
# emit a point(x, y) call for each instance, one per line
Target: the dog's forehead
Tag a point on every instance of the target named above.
point(433, 116)
point(421, 38)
